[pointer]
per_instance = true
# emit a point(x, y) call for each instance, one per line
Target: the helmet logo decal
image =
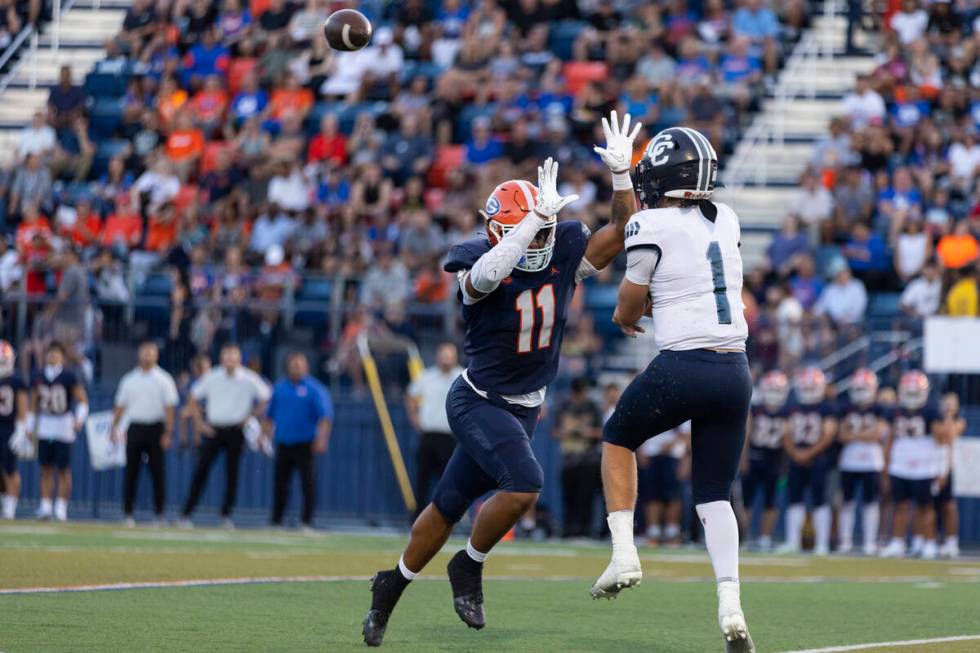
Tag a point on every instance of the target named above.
point(493, 206)
point(657, 147)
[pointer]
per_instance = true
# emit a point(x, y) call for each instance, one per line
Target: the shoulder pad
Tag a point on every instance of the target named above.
point(642, 230)
point(465, 254)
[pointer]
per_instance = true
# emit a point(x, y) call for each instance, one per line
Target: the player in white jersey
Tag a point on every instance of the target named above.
point(683, 263)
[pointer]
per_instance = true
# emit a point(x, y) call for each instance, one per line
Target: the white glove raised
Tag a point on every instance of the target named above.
point(618, 152)
point(549, 201)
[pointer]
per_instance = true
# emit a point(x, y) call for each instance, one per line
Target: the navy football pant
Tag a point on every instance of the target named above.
point(713, 390)
point(812, 477)
point(867, 481)
point(493, 451)
point(763, 476)
point(8, 459)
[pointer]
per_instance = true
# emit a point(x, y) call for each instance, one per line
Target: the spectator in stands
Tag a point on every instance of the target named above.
point(759, 24)
point(273, 227)
point(786, 246)
point(922, 297)
point(805, 285)
point(147, 399)
point(854, 201)
point(964, 161)
point(958, 249)
point(963, 299)
point(250, 101)
point(420, 239)
point(814, 204)
point(66, 101)
point(299, 419)
point(910, 22)
point(406, 152)
point(208, 57)
point(656, 66)
point(912, 249)
point(275, 19)
point(371, 192)
point(9, 23)
point(386, 282)
point(208, 106)
point(899, 202)
point(231, 394)
point(69, 309)
point(864, 105)
point(32, 185)
point(328, 144)
point(844, 300)
point(138, 25)
point(425, 404)
point(578, 430)
point(155, 187)
point(483, 147)
point(868, 257)
point(185, 145)
point(38, 138)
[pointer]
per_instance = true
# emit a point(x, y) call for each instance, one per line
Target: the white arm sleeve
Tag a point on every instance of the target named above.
point(641, 263)
point(491, 268)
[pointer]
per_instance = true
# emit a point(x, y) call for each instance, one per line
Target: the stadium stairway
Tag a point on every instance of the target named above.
point(85, 27)
point(763, 172)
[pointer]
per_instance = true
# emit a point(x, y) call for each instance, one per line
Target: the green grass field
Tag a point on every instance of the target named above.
point(315, 593)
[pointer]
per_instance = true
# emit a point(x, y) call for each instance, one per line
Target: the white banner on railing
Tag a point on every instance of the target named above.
point(952, 345)
point(102, 451)
point(966, 462)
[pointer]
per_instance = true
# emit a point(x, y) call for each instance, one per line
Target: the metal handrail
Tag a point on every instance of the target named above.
point(11, 50)
point(886, 360)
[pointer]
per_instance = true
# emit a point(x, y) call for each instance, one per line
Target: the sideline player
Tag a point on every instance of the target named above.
point(912, 458)
point(683, 263)
point(949, 427)
point(763, 459)
point(862, 432)
point(812, 427)
point(515, 285)
point(13, 413)
point(60, 406)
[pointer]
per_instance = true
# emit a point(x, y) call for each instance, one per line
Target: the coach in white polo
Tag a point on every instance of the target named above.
point(232, 393)
point(426, 406)
point(147, 396)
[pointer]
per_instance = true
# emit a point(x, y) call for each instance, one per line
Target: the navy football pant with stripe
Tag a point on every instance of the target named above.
point(713, 390)
point(494, 450)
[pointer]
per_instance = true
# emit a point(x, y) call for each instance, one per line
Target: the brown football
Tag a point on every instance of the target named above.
point(347, 30)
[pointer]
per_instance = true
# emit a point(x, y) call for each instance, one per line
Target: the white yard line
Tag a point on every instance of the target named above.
point(896, 644)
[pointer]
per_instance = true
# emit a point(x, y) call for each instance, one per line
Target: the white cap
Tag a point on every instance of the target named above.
point(275, 255)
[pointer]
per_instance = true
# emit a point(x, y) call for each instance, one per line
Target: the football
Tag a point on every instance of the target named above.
point(347, 30)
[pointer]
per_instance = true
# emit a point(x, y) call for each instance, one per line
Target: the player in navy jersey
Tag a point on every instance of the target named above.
point(13, 412)
point(812, 427)
point(862, 433)
point(515, 285)
point(60, 406)
point(912, 461)
point(763, 455)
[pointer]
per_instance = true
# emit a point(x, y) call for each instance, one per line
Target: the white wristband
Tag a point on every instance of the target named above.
point(622, 181)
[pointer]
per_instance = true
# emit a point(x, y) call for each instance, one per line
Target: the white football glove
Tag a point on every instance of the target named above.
point(549, 201)
point(618, 152)
point(21, 443)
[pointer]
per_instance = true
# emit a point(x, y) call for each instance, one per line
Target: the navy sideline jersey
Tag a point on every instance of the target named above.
point(768, 427)
point(806, 422)
point(514, 334)
point(9, 387)
point(55, 405)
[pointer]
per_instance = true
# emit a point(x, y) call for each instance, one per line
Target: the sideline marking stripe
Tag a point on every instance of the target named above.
point(899, 643)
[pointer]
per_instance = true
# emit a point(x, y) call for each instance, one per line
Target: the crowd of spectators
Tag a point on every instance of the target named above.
point(890, 201)
point(242, 153)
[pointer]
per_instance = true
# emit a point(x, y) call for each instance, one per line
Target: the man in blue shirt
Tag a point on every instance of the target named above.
point(299, 417)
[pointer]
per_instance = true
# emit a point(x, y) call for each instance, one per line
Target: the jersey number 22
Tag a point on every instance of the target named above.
point(526, 303)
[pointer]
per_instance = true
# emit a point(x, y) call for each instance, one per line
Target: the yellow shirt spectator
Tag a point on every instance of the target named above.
point(963, 299)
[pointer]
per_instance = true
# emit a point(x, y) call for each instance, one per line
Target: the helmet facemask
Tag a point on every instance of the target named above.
point(539, 252)
point(913, 390)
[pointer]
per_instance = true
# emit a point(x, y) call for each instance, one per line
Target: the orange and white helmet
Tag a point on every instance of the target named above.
point(508, 204)
point(774, 389)
point(913, 390)
point(7, 358)
point(810, 385)
point(864, 387)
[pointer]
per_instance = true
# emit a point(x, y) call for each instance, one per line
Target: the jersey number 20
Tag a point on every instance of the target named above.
point(526, 302)
point(718, 278)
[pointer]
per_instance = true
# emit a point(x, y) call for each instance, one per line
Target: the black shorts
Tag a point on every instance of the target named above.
point(8, 459)
point(916, 490)
point(493, 450)
point(946, 492)
point(51, 453)
point(658, 481)
point(812, 477)
point(763, 476)
point(867, 481)
point(713, 390)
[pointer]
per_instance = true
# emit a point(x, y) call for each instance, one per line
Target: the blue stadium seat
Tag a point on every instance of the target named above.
point(824, 256)
point(601, 296)
point(312, 299)
point(884, 304)
point(106, 116)
point(314, 290)
point(316, 114)
point(105, 85)
point(106, 150)
point(156, 285)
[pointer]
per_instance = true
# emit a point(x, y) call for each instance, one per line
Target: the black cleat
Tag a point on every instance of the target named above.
point(386, 589)
point(466, 578)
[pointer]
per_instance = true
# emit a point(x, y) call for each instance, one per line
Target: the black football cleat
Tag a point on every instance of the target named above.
point(466, 578)
point(386, 589)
